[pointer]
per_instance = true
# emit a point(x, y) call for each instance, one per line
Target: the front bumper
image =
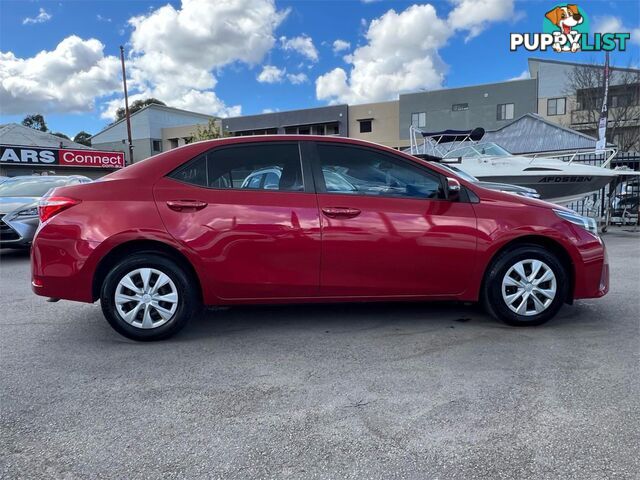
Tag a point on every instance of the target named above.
point(592, 273)
point(17, 232)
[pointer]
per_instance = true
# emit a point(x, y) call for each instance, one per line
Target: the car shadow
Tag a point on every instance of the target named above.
point(342, 318)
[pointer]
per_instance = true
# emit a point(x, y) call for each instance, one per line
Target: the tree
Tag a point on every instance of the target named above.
point(623, 125)
point(83, 138)
point(61, 135)
point(137, 105)
point(35, 121)
point(208, 132)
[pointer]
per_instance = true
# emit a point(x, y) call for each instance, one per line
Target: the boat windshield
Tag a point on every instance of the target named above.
point(486, 149)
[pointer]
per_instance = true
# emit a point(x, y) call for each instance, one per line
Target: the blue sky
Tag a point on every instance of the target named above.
point(59, 58)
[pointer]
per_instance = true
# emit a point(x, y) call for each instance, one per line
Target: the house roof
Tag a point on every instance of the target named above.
point(155, 106)
point(16, 134)
point(532, 133)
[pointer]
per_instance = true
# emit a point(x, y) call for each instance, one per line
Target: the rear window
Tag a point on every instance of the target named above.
point(273, 166)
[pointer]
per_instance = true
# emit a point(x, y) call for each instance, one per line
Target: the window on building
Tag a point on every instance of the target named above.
point(333, 129)
point(157, 145)
point(458, 107)
point(365, 126)
point(173, 143)
point(505, 111)
point(306, 130)
point(419, 119)
point(317, 129)
point(556, 106)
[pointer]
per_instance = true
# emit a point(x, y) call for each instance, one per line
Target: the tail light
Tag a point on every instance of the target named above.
point(50, 206)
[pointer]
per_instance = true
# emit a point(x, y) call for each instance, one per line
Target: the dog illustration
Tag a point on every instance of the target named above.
point(565, 18)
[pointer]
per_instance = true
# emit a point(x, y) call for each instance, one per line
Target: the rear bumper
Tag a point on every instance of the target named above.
point(67, 272)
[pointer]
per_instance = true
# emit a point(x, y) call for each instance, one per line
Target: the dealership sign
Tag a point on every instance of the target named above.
point(13, 155)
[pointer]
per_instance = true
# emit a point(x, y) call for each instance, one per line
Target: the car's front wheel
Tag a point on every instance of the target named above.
point(147, 296)
point(526, 286)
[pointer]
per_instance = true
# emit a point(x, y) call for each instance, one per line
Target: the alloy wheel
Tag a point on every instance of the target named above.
point(146, 298)
point(529, 287)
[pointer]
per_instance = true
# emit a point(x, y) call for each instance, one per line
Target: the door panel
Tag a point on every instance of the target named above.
point(386, 230)
point(253, 243)
point(396, 247)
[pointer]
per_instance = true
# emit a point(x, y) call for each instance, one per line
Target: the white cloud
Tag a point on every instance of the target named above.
point(302, 44)
point(340, 45)
point(100, 18)
point(401, 53)
point(611, 24)
point(66, 79)
point(270, 74)
point(297, 78)
point(42, 17)
point(524, 75)
point(475, 15)
point(176, 51)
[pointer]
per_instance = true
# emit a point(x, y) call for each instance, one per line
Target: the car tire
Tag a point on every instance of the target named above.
point(147, 296)
point(517, 296)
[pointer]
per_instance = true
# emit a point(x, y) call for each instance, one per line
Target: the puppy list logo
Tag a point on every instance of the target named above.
point(566, 29)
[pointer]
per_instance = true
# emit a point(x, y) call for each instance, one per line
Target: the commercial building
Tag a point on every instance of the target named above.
point(547, 93)
point(489, 106)
point(147, 126)
point(332, 120)
point(25, 151)
point(376, 122)
point(571, 94)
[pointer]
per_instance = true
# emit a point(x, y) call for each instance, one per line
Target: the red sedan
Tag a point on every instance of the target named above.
point(284, 219)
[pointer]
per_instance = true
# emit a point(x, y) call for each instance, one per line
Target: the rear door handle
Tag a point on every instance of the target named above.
point(186, 205)
point(340, 212)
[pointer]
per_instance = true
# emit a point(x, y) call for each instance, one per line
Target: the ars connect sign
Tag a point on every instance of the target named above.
point(14, 155)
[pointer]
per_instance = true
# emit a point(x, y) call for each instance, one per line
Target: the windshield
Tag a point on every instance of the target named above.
point(487, 149)
point(30, 187)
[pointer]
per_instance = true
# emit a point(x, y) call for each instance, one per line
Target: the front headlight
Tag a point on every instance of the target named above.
point(587, 223)
point(31, 211)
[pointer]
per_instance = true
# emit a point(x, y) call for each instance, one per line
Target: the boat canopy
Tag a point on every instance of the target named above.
point(447, 136)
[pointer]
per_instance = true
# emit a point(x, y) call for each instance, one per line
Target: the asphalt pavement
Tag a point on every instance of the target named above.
point(382, 391)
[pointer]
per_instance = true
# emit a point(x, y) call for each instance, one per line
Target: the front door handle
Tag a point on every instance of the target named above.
point(186, 205)
point(340, 212)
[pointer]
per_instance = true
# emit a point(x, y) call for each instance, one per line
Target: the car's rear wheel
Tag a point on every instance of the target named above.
point(525, 286)
point(147, 296)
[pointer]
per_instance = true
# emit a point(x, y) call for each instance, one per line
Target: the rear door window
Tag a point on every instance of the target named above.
point(279, 163)
point(265, 166)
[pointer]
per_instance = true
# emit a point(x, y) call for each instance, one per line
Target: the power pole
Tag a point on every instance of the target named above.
point(126, 105)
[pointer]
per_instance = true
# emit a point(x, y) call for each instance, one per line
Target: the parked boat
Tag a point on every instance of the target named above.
point(557, 180)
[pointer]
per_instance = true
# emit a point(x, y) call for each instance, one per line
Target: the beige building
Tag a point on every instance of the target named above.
point(377, 122)
point(174, 137)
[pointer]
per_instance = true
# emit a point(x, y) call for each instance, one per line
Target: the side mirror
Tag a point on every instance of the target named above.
point(453, 189)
